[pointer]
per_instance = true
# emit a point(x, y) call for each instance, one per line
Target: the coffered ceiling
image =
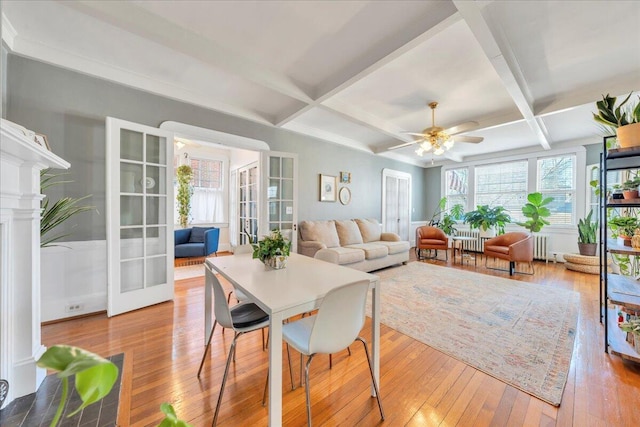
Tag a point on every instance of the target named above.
point(357, 73)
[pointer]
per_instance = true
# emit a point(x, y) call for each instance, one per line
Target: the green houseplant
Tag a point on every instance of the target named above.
point(54, 214)
point(624, 118)
point(623, 226)
point(630, 188)
point(587, 230)
point(184, 173)
point(94, 379)
point(94, 376)
point(535, 209)
point(485, 218)
point(272, 250)
point(450, 219)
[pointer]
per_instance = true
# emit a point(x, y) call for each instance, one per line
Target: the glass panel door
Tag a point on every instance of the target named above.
point(140, 223)
point(248, 204)
point(280, 193)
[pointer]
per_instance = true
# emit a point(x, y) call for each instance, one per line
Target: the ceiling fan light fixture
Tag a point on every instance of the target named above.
point(449, 142)
point(420, 151)
point(438, 151)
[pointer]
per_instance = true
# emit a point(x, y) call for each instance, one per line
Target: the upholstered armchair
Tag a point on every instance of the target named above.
point(196, 241)
point(429, 237)
point(513, 247)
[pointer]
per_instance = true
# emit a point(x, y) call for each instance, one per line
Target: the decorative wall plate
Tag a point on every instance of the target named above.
point(344, 195)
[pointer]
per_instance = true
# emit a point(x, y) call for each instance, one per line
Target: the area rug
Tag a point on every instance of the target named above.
point(520, 333)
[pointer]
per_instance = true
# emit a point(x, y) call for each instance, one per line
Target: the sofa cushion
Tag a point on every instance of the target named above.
point(197, 234)
point(188, 250)
point(369, 229)
point(394, 247)
point(348, 232)
point(320, 231)
point(371, 250)
point(340, 255)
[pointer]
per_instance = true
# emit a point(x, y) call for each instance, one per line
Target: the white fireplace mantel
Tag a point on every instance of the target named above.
point(21, 161)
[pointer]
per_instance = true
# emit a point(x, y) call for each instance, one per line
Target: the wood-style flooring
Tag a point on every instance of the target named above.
point(420, 386)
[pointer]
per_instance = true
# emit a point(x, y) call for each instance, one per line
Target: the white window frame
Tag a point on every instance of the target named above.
point(573, 184)
point(532, 157)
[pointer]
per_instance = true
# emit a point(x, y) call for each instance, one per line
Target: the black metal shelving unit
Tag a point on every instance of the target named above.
point(616, 290)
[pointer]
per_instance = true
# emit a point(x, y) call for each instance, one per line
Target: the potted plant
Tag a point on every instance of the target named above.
point(272, 250)
point(184, 173)
point(450, 219)
point(54, 214)
point(630, 188)
point(488, 220)
point(536, 211)
point(626, 121)
point(632, 327)
point(623, 227)
point(587, 231)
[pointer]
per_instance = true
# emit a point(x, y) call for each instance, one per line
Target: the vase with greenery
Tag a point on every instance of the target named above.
point(624, 118)
point(486, 218)
point(272, 250)
point(184, 173)
point(587, 230)
point(55, 213)
point(535, 209)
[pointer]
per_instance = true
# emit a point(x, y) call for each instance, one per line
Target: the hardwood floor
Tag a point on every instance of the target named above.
point(420, 386)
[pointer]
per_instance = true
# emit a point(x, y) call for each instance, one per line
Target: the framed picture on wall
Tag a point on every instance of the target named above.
point(345, 177)
point(327, 188)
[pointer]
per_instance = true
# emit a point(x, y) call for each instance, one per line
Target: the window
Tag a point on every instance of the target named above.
point(556, 178)
point(456, 187)
point(208, 202)
point(207, 173)
point(502, 184)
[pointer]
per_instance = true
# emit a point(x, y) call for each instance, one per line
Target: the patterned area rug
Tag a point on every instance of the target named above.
point(520, 333)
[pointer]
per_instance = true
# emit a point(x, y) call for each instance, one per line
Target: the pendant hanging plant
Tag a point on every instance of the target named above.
point(184, 174)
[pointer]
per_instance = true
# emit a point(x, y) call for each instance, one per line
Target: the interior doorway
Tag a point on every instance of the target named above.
point(396, 202)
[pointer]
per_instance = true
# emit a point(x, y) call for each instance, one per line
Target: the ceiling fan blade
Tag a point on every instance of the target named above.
point(470, 139)
point(422, 135)
point(406, 144)
point(462, 127)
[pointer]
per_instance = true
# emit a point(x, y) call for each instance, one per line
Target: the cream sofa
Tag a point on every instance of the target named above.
point(357, 243)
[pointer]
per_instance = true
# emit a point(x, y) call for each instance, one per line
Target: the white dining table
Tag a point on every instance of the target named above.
point(296, 289)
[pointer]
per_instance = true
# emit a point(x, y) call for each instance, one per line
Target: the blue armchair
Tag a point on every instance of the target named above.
point(196, 241)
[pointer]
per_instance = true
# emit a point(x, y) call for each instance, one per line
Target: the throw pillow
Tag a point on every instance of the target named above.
point(197, 234)
point(370, 229)
point(320, 231)
point(348, 232)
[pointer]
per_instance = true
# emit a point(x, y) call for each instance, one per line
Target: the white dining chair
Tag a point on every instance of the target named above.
point(241, 318)
point(333, 328)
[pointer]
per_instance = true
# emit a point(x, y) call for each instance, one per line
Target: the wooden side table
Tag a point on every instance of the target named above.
point(458, 245)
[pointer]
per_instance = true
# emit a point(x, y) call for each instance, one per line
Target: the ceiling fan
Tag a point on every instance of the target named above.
point(438, 138)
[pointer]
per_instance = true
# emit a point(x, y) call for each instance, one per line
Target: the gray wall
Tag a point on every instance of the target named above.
point(432, 188)
point(70, 108)
point(593, 153)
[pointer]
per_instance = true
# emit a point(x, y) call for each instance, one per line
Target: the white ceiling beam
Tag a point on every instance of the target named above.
point(159, 30)
point(375, 59)
point(505, 64)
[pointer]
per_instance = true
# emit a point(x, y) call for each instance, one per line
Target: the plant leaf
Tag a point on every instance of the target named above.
point(95, 376)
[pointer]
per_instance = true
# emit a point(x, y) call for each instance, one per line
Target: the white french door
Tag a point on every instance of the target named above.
point(248, 201)
point(139, 216)
point(279, 188)
point(396, 202)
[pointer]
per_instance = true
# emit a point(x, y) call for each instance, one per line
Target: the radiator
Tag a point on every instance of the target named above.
point(471, 245)
point(540, 246)
point(540, 243)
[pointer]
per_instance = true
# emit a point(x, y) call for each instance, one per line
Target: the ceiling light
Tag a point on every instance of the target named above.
point(420, 151)
point(438, 151)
